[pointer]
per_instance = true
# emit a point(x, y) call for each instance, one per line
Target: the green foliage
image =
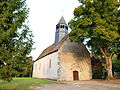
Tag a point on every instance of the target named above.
point(97, 73)
point(15, 37)
point(5, 73)
point(116, 66)
point(23, 83)
point(97, 68)
point(26, 70)
point(98, 21)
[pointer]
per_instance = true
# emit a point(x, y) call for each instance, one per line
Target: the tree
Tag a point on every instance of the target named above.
point(15, 37)
point(98, 23)
point(26, 70)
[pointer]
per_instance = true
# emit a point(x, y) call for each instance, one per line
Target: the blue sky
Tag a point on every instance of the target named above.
point(43, 17)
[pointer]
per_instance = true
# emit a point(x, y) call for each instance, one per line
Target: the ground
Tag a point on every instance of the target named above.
point(23, 83)
point(82, 85)
point(42, 84)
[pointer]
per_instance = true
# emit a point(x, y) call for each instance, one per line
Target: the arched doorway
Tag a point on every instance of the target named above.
point(75, 75)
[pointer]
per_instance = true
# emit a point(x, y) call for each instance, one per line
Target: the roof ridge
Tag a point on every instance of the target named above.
point(52, 48)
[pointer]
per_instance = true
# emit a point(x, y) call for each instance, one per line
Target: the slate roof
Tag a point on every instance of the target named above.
point(52, 48)
point(62, 21)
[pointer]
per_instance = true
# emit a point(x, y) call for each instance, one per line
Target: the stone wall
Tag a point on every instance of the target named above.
point(46, 67)
point(74, 57)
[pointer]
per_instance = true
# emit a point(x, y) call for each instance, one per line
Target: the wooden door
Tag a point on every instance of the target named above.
point(75, 75)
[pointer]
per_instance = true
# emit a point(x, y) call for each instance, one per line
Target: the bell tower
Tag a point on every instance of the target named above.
point(61, 30)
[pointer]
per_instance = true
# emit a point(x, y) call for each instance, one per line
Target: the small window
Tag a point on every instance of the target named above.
point(39, 66)
point(57, 26)
point(63, 26)
point(50, 64)
point(66, 27)
point(35, 66)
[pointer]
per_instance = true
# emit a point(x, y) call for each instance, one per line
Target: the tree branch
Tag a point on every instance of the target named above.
point(103, 52)
point(112, 54)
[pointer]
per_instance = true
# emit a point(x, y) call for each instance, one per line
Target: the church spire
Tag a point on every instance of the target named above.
point(62, 21)
point(61, 30)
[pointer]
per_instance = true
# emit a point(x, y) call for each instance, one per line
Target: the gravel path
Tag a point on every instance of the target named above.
point(80, 85)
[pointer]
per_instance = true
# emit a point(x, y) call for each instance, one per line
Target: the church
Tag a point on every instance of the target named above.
point(63, 60)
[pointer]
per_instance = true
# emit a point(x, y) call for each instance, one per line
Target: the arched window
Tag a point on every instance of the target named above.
point(39, 66)
point(57, 26)
point(50, 64)
point(63, 26)
point(60, 26)
point(66, 27)
point(35, 66)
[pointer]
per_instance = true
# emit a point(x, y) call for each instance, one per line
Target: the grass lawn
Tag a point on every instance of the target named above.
point(23, 83)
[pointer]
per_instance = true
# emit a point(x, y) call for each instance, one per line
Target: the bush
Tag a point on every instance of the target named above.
point(116, 66)
point(96, 68)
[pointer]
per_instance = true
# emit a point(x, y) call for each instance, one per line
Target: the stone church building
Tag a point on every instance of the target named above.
point(63, 60)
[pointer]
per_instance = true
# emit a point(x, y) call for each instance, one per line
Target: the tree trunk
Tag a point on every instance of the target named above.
point(108, 63)
point(109, 67)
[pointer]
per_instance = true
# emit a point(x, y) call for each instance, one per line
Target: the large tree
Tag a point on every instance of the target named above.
point(98, 23)
point(15, 37)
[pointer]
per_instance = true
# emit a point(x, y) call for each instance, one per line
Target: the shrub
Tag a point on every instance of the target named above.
point(96, 68)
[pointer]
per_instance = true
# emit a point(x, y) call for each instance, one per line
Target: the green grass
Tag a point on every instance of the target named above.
point(23, 83)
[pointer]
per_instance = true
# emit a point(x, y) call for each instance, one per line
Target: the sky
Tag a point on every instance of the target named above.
point(43, 17)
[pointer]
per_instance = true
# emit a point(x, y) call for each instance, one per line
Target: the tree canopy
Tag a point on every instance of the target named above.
point(98, 23)
point(15, 37)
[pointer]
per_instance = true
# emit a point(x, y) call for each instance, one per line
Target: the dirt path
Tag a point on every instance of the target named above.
point(80, 85)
